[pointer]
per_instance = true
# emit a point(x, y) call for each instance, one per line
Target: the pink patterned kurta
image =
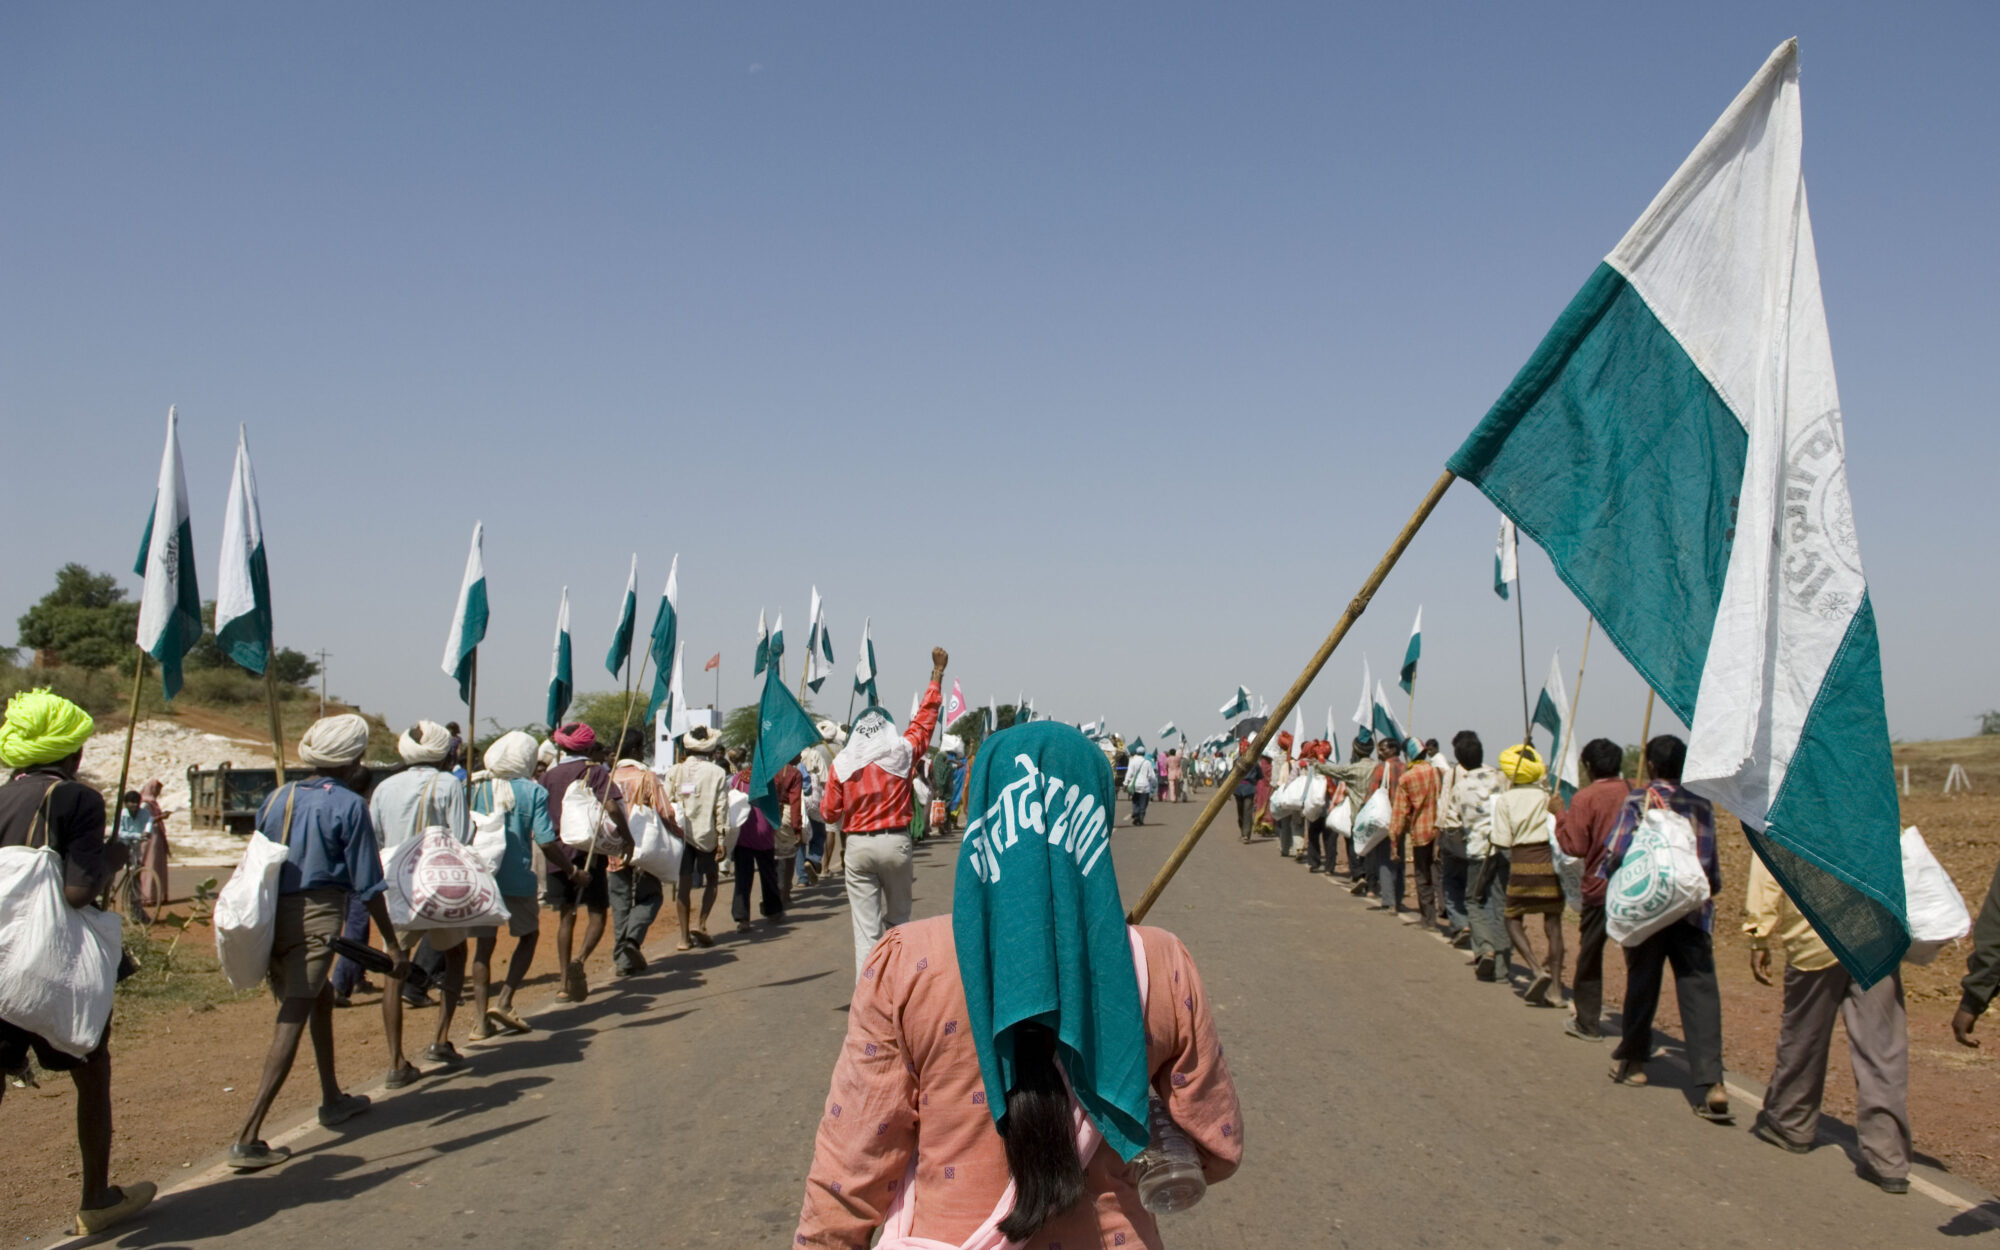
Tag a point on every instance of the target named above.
point(908, 1080)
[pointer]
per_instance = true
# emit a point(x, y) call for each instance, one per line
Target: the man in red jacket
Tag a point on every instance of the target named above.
point(1584, 830)
point(868, 794)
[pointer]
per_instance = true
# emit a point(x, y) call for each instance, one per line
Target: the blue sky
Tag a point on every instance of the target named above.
point(1106, 345)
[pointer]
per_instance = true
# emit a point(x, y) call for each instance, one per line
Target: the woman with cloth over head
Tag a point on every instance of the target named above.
point(999, 1061)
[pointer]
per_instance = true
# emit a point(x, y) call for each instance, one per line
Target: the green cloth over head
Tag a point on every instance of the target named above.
point(783, 731)
point(42, 727)
point(1039, 928)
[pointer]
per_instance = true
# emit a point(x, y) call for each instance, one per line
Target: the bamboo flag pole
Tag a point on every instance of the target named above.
point(1277, 715)
point(1645, 734)
point(471, 713)
point(131, 727)
point(277, 726)
point(1521, 632)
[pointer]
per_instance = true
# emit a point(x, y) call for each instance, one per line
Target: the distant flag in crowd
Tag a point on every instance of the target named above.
point(677, 704)
point(1298, 726)
point(992, 715)
point(954, 707)
point(714, 662)
point(170, 604)
point(468, 619)
point(1733, 582)
point(1384, 719)
point(562, 684)
point(783, 731)
point(1411, 652)
point(1364, 711)
point(628, 613)
point(1263, 707)
point(243, 595)
point(763, 645)
point(666, 631)
point(1237, 705)
point(1331, 740)
point(864, 668)
point(777, 647)
point(819, 648)
point(1550, 709)
point(1506, 557)
point(1167, 731)
point(1137, 745)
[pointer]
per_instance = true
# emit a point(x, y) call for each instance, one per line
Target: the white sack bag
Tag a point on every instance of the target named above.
point(1340, 818)
point(1316, 788)
point(1371, 823)
point(1569, 869)
point(489, 839)
point(654, 847)
point(1289, 799)
point(1935, 909)
point(436, 883)
point(584, 821)
point(58, 964)
point(1659, 882)
point(246, 912)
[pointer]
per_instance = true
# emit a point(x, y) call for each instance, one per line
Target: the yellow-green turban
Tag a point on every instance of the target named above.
point(1520, 765)
point(42, 727)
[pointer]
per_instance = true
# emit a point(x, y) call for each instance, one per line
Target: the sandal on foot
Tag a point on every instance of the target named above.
point(254, 1157)
point(125, 1202)
point(1625, 1072)
point(340, 1112)
point(1538, 990)
point(575, 983)
point(1715, 1113)
point(702, 939)
point(505, 1019)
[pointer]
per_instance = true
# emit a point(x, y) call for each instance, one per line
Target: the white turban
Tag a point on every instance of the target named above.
point(426, 742)
point(334, 741)
point(511, 755)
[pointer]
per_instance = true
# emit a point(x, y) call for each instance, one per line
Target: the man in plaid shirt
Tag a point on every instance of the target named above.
point(1414, 817)
point(1685, 944)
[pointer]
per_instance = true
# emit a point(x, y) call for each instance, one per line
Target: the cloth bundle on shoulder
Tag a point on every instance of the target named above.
point(1660, 881)
point(585, 823)
point(435, 882)
point(654, 847)
point(1290, 798)
point(1316, 796)
point(246, 911)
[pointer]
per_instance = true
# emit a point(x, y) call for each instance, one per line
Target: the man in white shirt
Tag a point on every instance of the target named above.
point(698, 788)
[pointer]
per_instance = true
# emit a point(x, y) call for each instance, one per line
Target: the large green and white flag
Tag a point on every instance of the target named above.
point(1169, 731)
point(763, 645)
point(468, 619)
point(1506, 558)
point(243, 588)
point(864, 668)
point(783, 731)
point(1364, 711)
point(1410, 653)
point(620, 653)
point(666, 630)
point(1383, 718)
point(1552, 713)
point(1675, 444)
point(676, 710)
point(562, 684)
point(170, 604)
point(1238, 705)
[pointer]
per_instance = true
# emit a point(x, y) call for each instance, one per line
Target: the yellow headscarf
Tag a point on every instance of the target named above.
point(42, 727)
point(1521, 765)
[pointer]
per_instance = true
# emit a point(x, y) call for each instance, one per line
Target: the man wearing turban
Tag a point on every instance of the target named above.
point(43, 804)
point(329, 839)
point(419, 797)
point(579, 747)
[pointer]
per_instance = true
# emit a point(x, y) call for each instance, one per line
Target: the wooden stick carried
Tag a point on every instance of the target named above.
point(1291, 698)
point(277, 727)
point(131, 727)
point(1645, 735)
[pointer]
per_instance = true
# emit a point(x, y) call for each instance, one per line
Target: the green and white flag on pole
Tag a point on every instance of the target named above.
point(1506, 558)
point(677, 705)
point(1238, 705)
point(1410, 653)
point(243, 590)
point(562, 685)
point(1364, 711)
point(775, 652)
point(1168, 731)
point(763, 645)
point(864, 668)
point(1550, 709)
point(468, 619)
point(1383, 718)
point(819, 648)
point(620, 653)
point(170, 604)
point(666, 630)
point(783, 730)
point(1676, 446)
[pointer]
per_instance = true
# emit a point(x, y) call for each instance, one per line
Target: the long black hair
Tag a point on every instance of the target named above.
point(1041, 1139)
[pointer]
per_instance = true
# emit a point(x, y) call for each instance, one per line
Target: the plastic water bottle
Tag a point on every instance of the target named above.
point(1168, 1169)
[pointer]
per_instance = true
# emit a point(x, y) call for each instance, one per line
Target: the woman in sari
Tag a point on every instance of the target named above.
point(1001, 1062)
point(152, 861)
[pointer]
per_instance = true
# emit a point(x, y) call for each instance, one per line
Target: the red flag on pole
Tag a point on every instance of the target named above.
point(714, 661)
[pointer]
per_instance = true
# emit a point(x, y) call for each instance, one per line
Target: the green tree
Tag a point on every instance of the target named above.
point(288, 667)
point(86, 621)
point(1989, 722)
point(604, 711)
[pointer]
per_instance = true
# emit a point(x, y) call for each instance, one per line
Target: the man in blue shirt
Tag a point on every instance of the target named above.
point(324, 824)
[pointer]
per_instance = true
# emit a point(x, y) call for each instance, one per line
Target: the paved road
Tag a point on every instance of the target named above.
point(1388, 1100)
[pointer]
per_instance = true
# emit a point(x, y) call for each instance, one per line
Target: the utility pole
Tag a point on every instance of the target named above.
point(322, 682)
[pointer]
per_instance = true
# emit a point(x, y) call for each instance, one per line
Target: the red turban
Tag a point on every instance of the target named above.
point(575, 737)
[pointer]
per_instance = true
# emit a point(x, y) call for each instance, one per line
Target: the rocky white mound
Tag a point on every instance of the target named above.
point(165, 750)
